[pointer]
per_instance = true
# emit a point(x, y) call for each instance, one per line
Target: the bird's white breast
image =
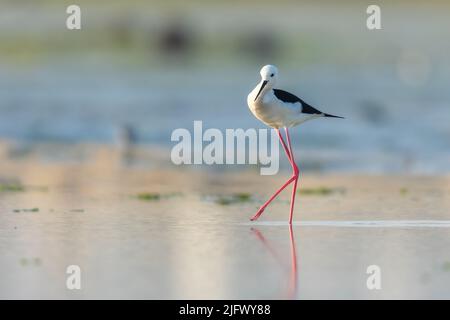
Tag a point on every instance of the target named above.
point(271, 111)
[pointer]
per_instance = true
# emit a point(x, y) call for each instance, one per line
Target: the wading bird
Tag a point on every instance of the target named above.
point(280, 109)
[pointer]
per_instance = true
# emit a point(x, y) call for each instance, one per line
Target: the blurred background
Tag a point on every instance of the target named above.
point(137, 70)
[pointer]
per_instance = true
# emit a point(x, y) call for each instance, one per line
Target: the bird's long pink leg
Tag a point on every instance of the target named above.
point(261, 210)
point(295, 176)
point(286, 150)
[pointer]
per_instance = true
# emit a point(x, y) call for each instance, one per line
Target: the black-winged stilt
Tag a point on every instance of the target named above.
point(280, 109)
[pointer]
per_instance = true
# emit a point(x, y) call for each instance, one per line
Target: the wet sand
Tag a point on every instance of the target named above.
point(166, 232)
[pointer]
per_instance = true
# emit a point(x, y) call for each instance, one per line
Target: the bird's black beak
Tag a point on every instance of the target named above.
point(262, 87)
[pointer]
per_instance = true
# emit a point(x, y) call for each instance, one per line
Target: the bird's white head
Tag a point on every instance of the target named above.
point(269, 76)
point(269, 73)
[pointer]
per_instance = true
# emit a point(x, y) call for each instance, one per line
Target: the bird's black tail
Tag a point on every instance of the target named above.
point(332, 116)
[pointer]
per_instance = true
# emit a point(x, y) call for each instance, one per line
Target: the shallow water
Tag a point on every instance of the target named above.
point(363, 224)
point(188, 248)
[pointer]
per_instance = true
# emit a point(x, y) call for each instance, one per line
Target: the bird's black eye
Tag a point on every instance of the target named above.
point(272, 75)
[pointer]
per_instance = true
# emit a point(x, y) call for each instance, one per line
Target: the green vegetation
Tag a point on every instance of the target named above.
point(321, 191)
point(25, 262)
point(155, 196)
point(446, 266)
point(11, 188)
point(26, 210)
point(234, 198)
point(149, 196)
point(17, 187)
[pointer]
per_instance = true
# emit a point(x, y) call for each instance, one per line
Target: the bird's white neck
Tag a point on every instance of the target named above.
point(263, 92)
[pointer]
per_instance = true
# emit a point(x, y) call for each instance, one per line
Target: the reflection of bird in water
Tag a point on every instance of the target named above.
point(280, 109)
point(293, 279)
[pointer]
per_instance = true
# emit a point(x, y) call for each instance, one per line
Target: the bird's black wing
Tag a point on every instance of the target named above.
point(291, 98)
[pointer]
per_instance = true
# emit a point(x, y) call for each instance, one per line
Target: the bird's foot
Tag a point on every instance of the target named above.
point(256, 216)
